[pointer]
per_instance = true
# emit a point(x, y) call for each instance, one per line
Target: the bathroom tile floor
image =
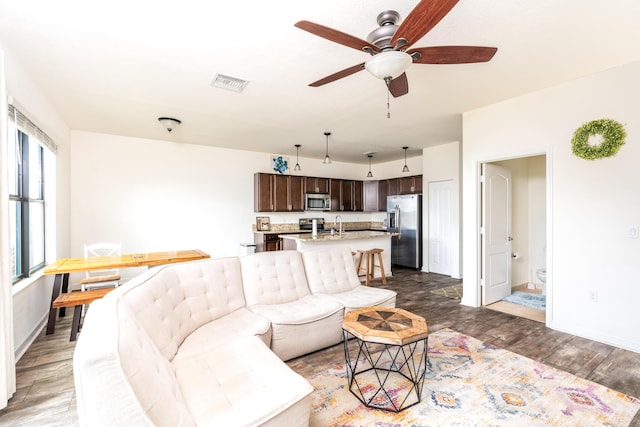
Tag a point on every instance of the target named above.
point(519, 310)
point(46, 395)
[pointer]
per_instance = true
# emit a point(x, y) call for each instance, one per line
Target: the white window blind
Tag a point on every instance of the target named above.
point(27, 126)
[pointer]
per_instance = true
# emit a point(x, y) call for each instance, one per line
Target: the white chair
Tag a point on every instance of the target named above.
point(101, 278)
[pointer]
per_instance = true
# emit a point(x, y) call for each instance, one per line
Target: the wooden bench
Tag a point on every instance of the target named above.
point(77, 300)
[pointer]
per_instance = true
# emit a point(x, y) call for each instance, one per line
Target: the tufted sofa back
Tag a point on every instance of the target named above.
point(330, 271)
point(172, 301)
point(273, 277)
point(115, 357)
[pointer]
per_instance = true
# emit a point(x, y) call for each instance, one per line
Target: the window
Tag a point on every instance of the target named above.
point(26, 203)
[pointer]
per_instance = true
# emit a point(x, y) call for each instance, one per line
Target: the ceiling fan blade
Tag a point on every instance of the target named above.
point(399, 86)
point(453, 54)
point(335, 36)
point(336, 76)
point(422, 19)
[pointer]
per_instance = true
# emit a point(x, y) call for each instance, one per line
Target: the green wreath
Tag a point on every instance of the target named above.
point(613, 135)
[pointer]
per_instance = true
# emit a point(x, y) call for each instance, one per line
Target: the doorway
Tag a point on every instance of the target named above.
point(513, 234)
point(441, 231)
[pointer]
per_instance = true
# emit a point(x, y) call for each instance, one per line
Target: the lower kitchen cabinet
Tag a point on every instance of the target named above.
point(267, 242)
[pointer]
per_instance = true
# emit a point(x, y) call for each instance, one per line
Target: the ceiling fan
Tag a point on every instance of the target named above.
point(389, 45)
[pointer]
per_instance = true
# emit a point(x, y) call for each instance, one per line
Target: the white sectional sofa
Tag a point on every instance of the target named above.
point(203, 343)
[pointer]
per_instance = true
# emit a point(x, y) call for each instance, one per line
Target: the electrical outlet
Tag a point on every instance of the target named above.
point(593, 296)
point(632, 232)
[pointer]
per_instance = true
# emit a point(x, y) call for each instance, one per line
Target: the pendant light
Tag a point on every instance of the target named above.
point(370, 175)
point(327, 159)
point(297, 166)
point(405, 168)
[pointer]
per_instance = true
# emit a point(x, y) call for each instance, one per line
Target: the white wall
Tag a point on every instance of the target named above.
point(441, 163)
point(591, 204)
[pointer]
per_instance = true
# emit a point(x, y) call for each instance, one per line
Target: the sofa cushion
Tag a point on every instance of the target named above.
point(174, 300)
point(243, 383)
point(331, 272)
point(302, 326)
point(273, 277)
point(208, 337)
point(120, 375)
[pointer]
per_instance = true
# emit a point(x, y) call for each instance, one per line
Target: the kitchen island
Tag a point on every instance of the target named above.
point(354, 240)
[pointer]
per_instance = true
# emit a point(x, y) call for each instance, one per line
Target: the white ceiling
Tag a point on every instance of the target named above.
point(115, 66)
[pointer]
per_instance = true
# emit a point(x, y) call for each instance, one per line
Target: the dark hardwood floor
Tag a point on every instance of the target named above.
point(46, 397)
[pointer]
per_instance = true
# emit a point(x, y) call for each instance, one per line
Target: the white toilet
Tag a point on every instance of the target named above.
point(542, 275)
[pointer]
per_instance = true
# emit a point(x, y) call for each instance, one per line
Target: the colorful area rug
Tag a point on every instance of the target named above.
point(471, 383)
point(454, 291)
point(537, 301)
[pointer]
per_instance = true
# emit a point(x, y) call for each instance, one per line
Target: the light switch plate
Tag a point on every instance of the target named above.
point(632, 232)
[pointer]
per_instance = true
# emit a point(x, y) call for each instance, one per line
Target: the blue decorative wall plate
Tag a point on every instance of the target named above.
point(280, 165)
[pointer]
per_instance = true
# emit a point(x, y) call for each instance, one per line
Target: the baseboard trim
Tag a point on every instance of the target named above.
point(22, 349)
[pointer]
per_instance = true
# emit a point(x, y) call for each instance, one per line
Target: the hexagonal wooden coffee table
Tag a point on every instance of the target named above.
point(386, 361)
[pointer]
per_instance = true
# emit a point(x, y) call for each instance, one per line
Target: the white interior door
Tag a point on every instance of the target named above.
point(441, 227)
point(496, 233)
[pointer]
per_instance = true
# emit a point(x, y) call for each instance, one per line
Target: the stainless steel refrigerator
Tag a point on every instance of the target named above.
point(404, 216)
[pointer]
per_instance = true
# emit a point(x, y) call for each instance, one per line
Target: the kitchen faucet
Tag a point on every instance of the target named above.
point(340, 228)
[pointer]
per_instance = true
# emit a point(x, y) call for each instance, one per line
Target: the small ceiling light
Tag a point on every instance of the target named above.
point(297, 166)
point(169, 123)
point(405, 168)
point(327, 159)
point(370, 175)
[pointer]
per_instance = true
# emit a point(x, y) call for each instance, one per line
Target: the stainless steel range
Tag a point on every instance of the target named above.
point(307, 223)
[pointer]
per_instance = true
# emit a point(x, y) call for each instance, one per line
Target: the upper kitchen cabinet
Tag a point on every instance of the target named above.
point(410, 184)
point(316, 185)
point(346, 195)
point(278, 193)
point(375, 196)
point(392, 187)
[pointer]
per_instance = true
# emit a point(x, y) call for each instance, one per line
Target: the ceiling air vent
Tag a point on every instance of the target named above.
point(229, 83)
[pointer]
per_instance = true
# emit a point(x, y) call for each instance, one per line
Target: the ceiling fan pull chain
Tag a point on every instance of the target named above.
point(387, 80)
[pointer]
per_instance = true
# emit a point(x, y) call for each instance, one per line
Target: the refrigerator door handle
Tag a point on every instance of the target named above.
point(398, 221)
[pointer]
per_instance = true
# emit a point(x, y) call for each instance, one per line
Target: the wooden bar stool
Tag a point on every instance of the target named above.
point(370, 265)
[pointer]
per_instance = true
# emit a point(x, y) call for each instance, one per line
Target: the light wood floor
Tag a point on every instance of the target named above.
point(45, 395)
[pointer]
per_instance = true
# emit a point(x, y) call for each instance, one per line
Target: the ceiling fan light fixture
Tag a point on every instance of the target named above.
point(388, 64)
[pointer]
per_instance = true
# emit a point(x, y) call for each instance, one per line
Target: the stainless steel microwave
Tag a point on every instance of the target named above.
point(317, 202)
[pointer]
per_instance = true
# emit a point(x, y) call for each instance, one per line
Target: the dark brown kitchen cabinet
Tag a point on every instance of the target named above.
point(278, 193)
point(315, 185)
point(383, 192)
point(262, 199)
point(358, 195)
point(375, 196)
point(335, 190)
point(267, 242)
point(392, 186)
point(410, 184)
point(346, 195)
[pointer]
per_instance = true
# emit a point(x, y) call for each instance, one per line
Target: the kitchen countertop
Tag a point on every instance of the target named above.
point(319, 231)
point(348, 235)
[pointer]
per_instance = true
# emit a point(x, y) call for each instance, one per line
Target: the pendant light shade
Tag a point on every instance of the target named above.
point(297, 166)
point(327, 159)
point(370, 175)
point(405, 168)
